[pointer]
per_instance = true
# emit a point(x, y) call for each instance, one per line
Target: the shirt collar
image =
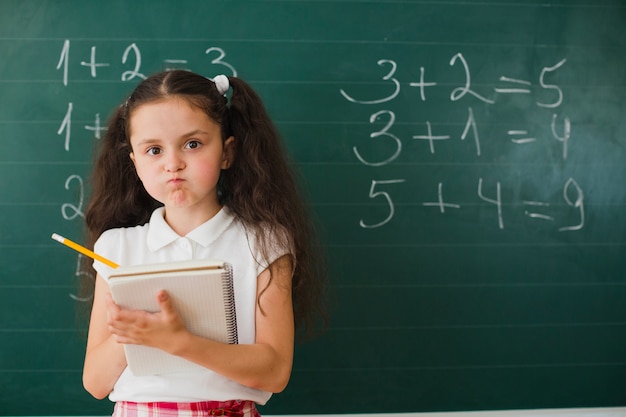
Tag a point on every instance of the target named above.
point(160, 234)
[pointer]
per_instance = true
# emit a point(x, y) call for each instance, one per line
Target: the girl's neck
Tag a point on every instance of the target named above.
point(183, 221)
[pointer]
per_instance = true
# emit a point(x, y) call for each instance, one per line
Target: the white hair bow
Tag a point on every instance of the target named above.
point(222, 84)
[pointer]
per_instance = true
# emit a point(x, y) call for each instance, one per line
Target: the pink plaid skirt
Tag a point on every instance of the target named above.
point(199, 409)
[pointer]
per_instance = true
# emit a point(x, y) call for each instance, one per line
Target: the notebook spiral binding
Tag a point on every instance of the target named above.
point(229, 302)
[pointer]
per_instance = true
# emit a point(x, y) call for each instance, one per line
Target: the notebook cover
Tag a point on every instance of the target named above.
point(202, 293)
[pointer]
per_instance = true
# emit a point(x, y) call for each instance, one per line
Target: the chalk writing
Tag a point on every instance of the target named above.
point(92, 64)
point(577, 203)
point(97, 129)
point(421, 84)
point(66, 126)
point(132, 56)
point(384, 132)
point(63, 59)
point(172, 64)
point(430, 137)
point(560, 130)
point(387, 77)
point(564, 138)
point(440, 203)
point(134, 73)
point(497, 201)
point(537, 215)
point(459, 92)
point(220, 59)
point(521, 86)
point(471, 123)
point(81, 275)
point(525, 89)
point(74, 210)
point(385, 195)
point(556, 88)
point(491, 194)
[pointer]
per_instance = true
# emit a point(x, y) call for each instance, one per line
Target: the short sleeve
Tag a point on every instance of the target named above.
point(107, 245)
point(278, 244)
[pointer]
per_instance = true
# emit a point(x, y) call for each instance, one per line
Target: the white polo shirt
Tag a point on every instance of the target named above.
point(222, 238)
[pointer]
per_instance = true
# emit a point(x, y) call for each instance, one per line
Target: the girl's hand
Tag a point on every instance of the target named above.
point(161, 330)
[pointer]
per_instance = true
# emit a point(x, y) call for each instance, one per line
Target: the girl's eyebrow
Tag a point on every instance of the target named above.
point(194, 133)
point(147, 141)
point(150, 141)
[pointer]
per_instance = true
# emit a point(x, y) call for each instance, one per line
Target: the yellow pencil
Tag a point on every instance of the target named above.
point(83, 250)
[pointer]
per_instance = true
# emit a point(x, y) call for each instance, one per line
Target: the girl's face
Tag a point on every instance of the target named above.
point(178, 154)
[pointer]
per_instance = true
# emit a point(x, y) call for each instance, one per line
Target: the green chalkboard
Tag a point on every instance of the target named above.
point(466, 160)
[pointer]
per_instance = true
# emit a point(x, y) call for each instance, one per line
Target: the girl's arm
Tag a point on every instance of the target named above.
point(264, 365)
point(104, 359)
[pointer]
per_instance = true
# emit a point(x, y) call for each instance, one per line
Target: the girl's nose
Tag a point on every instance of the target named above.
point(174, 162)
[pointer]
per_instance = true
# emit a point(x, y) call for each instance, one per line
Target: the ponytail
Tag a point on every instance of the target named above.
point(263, 192)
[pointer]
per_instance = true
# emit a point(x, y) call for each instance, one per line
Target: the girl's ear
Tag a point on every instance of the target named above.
point(228, 154)
point(132, 158)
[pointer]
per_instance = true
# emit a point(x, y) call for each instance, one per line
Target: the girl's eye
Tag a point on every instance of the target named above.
point(193, 144)
point(153, 151)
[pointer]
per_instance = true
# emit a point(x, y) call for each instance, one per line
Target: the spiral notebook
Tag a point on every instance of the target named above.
point(202, 293)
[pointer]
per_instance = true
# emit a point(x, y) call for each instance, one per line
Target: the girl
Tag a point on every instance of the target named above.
point(185, 174)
